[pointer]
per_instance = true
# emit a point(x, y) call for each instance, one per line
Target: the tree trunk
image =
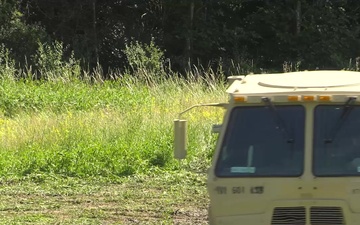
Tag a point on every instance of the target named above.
point(95, 32)
point(189, 37)
point(298, 17)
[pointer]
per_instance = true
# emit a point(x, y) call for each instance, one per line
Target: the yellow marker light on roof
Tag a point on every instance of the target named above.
point(293, 98)
point(325, 98)
point(239, 98)
point(308, 98)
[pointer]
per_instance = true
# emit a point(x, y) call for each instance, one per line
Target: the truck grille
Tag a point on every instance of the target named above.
point(319, 215)
point(326, 216)
point(289, 216)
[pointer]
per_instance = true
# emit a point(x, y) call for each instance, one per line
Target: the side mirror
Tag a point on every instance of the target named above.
point(180, 139)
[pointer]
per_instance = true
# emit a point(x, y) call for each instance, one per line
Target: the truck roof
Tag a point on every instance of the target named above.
point(304, 82)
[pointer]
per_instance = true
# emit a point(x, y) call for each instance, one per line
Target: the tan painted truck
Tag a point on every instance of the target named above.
point(288, 150)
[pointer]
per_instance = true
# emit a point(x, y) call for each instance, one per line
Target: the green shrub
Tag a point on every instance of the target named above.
point(145, 60)
point(52, 63)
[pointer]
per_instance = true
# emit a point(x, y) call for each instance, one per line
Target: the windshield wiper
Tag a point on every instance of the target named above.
point(278, 120)
point(348, 106)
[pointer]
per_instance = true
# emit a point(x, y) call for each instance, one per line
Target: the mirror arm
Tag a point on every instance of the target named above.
point(206, 104)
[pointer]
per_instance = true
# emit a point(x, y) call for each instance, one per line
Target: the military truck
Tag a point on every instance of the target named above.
point(288, 150)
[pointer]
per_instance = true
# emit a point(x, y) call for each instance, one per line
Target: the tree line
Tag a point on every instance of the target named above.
point(237, 36)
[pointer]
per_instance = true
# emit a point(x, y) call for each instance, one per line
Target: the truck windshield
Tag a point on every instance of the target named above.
point(336, 140)
point(263, 141)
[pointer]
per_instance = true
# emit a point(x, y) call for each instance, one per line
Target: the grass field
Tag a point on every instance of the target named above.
point(164, 198)
point(76, 152)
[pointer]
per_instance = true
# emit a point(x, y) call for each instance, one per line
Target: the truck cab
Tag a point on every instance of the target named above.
point(288, 150)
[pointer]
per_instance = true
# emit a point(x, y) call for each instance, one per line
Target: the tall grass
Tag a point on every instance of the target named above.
point(109, 128)
point(115, 128)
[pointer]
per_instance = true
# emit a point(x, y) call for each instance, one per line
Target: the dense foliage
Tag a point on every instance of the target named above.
point(238, 36)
